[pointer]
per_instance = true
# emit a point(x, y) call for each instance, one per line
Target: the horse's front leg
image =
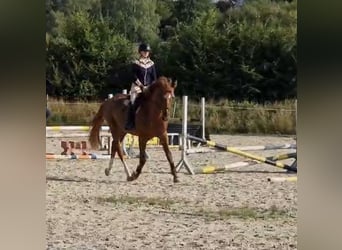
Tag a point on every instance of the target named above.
point(142, 158)
point(120, 153)
point(165, 144)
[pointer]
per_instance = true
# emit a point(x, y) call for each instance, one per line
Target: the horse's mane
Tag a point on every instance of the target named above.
point(120, 96)
point(161, 83)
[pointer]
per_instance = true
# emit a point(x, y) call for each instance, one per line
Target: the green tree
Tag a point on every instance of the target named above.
point(192, 54)
point(187, 10)
point(237, 53)
point(246, 53)
point(86, 56)
point(136, 20)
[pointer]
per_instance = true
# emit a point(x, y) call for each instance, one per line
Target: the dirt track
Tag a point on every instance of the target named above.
point(237, 210)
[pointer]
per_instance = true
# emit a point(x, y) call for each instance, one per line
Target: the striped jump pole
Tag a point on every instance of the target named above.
point(248, 148)
point(226, 168)
point(244, 154)
point(76, 157)
point(268, 147)
point(282, 156)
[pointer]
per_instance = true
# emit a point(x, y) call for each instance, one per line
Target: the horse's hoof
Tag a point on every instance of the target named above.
point(107, 171)
point(130, 178)
point(176, 180)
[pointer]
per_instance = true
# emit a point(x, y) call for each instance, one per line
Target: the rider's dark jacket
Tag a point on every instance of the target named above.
point(144, 70)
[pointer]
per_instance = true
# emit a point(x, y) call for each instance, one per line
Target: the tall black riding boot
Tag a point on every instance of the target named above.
point(130, 123)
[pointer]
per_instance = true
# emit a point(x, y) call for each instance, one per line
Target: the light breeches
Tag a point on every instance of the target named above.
point(135, 90)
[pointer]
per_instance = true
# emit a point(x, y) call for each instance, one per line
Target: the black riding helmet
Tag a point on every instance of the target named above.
point(144, 47)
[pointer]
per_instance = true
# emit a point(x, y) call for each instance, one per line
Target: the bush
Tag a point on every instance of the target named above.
point(85, 58)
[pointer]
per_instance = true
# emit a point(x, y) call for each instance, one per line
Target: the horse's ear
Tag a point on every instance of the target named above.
point(174, 83)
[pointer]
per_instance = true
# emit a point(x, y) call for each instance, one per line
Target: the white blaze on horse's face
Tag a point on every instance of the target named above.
point(168, 96)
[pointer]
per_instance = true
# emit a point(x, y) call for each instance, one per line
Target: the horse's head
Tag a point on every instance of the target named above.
point(170, 89)
point(162, 92)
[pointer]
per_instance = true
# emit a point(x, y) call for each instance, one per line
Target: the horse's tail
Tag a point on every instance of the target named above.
point(94, 135)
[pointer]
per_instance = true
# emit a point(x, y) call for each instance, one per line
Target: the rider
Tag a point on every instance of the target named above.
point(144, 73)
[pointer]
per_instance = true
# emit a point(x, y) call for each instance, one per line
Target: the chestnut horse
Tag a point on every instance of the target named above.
point(149, 122)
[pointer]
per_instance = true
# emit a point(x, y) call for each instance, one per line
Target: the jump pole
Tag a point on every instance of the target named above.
point(267, 147)
point(203, 116)
point(184, 161)
point(76, 157)
point(281, 179)
point(214, 169)
point(73, 128)
point(247, 148)
point(282, 156)
point(244, 154)
point(198, 149)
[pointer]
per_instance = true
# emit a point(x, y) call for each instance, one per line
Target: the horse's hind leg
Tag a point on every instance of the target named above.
point(142, 158)
point(164, 142)
point(115, 144)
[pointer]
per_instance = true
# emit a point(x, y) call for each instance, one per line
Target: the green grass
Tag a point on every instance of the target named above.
point(64, 113)
point(223, 116)
point(244, 213)
point(132, 200)
point(184, 208)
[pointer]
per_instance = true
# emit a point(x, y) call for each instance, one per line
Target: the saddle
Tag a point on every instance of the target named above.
point(137, 103)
